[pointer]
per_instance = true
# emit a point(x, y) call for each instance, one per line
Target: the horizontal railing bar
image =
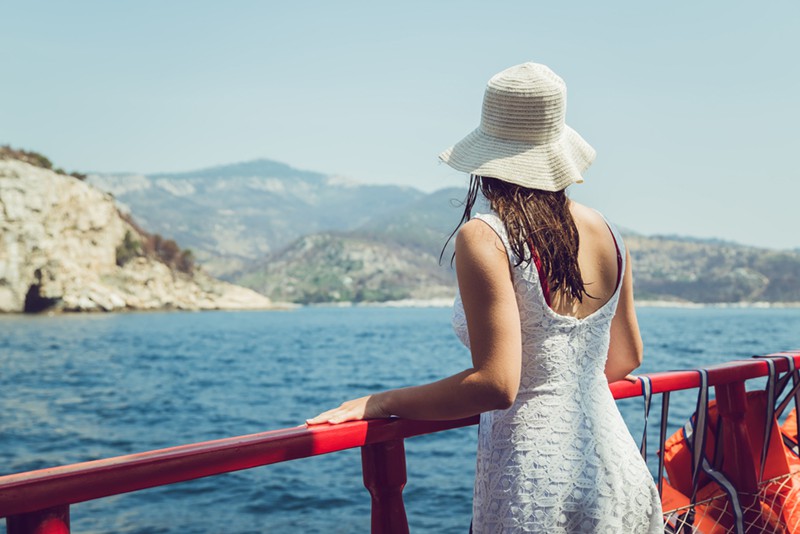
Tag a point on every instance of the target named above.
point(726, 373)
point(70, 484)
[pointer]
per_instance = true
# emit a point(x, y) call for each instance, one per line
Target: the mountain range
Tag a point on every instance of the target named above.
point(307, 237)
point(234, 214)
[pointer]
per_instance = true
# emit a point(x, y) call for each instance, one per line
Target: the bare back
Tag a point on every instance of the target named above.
point(598, 262)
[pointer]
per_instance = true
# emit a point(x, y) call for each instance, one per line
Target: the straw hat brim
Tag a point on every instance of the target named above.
point(550, 167)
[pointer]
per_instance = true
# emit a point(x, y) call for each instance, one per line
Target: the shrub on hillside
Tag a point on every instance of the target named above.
point(28, 156)
point(185, 261)
point(168, 250)
point(128, 249)
point(36, 159)
point(155, 246)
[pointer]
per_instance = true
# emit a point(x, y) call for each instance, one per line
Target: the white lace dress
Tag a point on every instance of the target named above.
point(560, 459)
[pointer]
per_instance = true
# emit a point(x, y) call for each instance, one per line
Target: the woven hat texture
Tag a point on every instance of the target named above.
point(522, 137)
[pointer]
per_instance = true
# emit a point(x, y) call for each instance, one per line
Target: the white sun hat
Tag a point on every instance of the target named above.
point(522, 137)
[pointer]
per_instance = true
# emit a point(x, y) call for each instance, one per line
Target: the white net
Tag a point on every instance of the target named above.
point(774, 509)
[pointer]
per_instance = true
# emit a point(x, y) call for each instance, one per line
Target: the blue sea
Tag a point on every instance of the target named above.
point(81, 387)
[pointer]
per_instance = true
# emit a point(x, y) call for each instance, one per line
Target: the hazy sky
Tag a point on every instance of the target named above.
point(693, 107)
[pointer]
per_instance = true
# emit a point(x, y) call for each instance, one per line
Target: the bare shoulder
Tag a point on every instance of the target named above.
point(477, 237)
point(479, 247)
point(482, 267)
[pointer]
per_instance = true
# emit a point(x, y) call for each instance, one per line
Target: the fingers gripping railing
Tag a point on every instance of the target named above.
point(38, 501)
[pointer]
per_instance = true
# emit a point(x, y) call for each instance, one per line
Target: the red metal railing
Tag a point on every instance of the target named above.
point(38, 501)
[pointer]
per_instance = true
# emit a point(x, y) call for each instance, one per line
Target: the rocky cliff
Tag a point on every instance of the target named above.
point(59, 241)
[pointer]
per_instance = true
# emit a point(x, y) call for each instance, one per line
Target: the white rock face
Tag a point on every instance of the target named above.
point(58, 242)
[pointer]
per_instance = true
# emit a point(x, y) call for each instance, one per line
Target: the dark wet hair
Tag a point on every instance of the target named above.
point(537, 222)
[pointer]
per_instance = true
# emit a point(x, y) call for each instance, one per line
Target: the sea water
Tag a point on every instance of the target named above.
point(82, 387)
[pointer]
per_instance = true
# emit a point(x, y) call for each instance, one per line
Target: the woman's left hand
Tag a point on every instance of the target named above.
point(368, 407)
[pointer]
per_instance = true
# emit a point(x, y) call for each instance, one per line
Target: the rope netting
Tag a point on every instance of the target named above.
point(774, 509)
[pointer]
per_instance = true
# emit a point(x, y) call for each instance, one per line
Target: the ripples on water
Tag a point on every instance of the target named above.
point(81, 387)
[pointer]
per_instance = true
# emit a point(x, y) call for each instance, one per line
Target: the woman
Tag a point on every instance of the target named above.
point(546, 307)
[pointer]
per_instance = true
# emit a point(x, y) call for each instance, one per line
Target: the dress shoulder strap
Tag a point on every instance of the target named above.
point(531, 271)
point(494, 222)
point(620, 244)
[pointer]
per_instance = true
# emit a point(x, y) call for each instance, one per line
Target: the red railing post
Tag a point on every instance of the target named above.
point(384, 468)
point(49, 521)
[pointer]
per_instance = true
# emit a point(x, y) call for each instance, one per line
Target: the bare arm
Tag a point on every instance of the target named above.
point(625, 349)
point(490, 305)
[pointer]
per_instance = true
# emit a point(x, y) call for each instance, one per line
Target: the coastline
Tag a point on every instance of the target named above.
point(408, 303)
point(644, 303)
point(749, 305)
point(445, 302)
